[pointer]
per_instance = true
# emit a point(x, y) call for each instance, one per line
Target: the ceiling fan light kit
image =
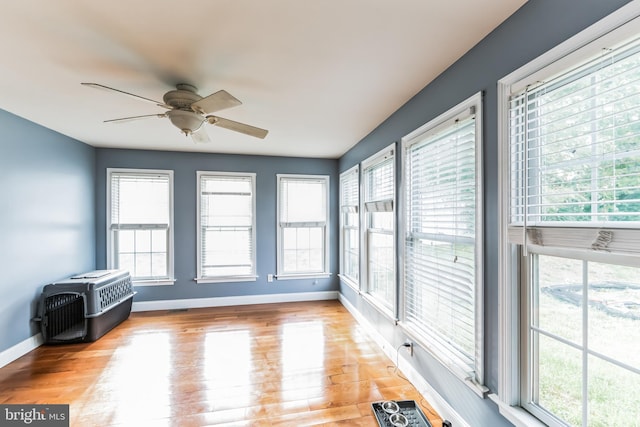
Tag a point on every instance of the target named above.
point(187, 121)
point(187, 111)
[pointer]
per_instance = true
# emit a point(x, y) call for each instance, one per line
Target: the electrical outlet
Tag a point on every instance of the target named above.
point(409, 346)
point(269, 277)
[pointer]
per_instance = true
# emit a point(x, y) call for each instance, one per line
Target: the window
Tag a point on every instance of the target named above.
point(378, 181)
point(571, 234)
point(303, 216)
point(350, 227)
point(442, 278)
point(226, 227)
point(140, 224)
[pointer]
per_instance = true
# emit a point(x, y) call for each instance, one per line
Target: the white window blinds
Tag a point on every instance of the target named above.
point(442, 247)
point(227, 225)
point(378, 176)
point(349, 191)
point(138, 198)
point(303, 201)
point(140, 222)
point(575, 154)
point(350, 225)
point(379, 184)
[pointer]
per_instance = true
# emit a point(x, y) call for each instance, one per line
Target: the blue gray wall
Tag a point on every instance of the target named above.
point(46, 218)
point(185, 166)
point(52, 196)
point(537, 27)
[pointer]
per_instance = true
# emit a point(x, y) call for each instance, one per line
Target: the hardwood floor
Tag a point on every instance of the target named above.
point(292, 364)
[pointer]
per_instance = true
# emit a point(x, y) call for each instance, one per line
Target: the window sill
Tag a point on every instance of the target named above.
point(154, 282)
point(349, 282)
point(516, 415)
point(448, 361)
point(385, 311)
point(302, 276)
point(228, 279)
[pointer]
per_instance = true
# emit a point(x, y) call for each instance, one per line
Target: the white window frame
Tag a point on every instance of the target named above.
point(449, 357)
point(366, 230)
point(169, 279)
point(352, 173)
point(575, 50)
point(226, 278)
point(281, 274)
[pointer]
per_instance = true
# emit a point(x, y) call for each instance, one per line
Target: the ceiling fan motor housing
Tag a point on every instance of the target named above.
point(182, 97)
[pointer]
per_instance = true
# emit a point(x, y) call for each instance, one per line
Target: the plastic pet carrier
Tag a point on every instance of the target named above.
point(83, 308)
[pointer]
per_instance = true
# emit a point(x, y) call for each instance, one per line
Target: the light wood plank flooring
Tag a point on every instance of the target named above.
point(293, 364)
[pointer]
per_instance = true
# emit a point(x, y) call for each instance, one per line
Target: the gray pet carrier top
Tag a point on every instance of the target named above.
point(84, 307)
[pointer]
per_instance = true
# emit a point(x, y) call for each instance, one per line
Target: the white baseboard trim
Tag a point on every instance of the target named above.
point(438, 403)
point(177, 304)
point(20, 349)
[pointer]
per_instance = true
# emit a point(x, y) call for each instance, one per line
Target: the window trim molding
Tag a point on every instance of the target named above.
point(280, 274)
point(225, 279)
point(433, 126)
point(170, 279)
point(379, 156)
point(229, 278)
point(570, 51)
point(302, 276)
point(167, 282)
point(355, 285)
point(347, 281)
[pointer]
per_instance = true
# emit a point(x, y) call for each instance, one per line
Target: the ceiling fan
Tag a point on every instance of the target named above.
point(189, 111)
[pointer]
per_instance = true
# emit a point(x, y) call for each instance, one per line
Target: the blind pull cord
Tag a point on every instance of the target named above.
point(525, 142)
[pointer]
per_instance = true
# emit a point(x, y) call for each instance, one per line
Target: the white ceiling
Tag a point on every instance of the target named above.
point(320, 75)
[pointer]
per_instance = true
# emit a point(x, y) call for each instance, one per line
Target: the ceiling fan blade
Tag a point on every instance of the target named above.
point(200, 136)
point(215, 102)
point(237, 127)
point(103, 87)
point(127, 119)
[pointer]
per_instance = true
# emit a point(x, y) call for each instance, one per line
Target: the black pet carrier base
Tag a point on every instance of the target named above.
point(84, 307)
